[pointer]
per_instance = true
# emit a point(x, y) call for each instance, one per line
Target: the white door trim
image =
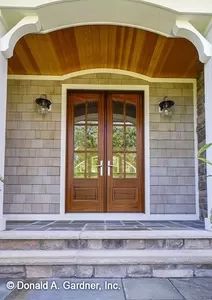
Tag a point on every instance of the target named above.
point(147, 214)
point(65, 88)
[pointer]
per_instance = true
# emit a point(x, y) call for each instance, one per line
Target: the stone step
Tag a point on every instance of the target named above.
point(107, 234)
point(105, 254)
point(105, 263)
point(106, 243)
point(104, 257)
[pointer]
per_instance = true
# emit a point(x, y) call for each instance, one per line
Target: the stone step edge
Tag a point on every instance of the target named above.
point(104, 257)
point(151, 234)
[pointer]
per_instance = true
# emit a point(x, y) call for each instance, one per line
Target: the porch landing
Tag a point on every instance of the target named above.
point(103, 225)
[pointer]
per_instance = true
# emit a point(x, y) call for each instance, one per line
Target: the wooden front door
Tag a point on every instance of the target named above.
point(105, 152)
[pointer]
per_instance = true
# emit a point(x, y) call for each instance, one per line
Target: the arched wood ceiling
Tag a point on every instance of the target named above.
point(104, 46)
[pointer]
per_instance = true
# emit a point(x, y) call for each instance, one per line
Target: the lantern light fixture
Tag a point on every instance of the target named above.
point(166, 107)
point(43, 104)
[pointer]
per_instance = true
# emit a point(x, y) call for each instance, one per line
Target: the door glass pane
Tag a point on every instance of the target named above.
point(130, 165)
point(118, 138)
point(92, 112)
point(86, 140)
point(92, 162)
point(130, 114)
point(130, 138)
point(118, 113)
point(79, 165)
point(79, 113)
point(124, 139)
point(118, 165)
point(79, 138)
point(92, 138)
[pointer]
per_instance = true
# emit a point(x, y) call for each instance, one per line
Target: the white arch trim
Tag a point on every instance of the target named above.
point(187, 30)
point(29, 24)
point(99, 71)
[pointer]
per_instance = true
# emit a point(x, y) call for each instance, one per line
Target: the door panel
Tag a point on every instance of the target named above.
point(124, 153)
point(104, 152)
point(85, 152)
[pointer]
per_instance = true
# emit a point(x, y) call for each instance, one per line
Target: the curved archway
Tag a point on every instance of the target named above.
point(104, 46)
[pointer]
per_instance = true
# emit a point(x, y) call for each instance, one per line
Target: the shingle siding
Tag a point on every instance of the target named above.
point(33, 146)
point(172, 188)
point(32, 149)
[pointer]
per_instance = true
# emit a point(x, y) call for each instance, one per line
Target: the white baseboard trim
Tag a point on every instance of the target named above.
point(102, 216)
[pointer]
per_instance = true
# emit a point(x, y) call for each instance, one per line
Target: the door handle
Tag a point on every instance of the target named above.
point(100, 166)
point(109, 166)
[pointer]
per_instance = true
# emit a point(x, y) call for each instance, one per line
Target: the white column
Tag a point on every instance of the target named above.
point(208, 128)
point(3, 102)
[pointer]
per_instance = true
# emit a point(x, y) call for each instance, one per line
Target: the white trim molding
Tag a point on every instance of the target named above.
point(186, 30)
point(196, 161)
point(101, 71)
point(29, 24)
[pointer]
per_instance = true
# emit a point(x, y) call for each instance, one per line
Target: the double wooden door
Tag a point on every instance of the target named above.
point(105, 152)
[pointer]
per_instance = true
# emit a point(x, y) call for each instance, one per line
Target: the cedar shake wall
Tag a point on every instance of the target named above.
point(172, 163)
point(32, 174)
point(201, 142)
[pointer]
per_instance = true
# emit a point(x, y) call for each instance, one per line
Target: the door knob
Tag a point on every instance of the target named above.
point(109, 166)
point(100, 166)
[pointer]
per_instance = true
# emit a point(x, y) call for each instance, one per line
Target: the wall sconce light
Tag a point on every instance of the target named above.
point(43, 104)
point(166, 107)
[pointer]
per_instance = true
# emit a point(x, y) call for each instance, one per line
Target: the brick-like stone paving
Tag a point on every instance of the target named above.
point(103, 225)
point(119, 289)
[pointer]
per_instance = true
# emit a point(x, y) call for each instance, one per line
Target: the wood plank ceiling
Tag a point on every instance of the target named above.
point(104, 46)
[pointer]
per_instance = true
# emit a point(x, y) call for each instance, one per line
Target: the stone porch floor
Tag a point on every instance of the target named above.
point(127, 289)
point(102, 225)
